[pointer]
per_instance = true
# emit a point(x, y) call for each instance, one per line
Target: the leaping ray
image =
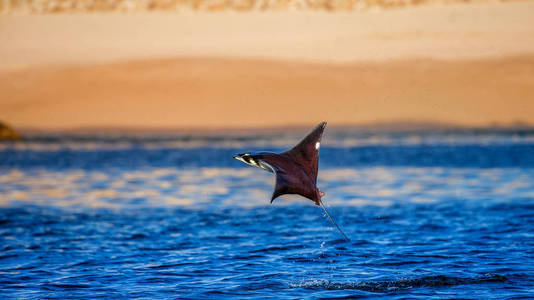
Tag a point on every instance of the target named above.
point(295, 170)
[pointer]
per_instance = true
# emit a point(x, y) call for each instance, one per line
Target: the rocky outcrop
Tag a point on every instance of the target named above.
point(8, 134)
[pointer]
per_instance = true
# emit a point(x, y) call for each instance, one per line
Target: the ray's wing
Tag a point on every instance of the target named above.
point(290, 184)
point(306, 153)
point(291, 178)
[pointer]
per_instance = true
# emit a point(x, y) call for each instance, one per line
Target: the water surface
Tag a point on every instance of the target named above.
point(430, 215)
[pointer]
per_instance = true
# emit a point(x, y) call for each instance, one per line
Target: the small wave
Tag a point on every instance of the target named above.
point(278, 249)
point(169, 266)
point(8, 256)
point(65, 286)
point(400, 284)
point(137, 236)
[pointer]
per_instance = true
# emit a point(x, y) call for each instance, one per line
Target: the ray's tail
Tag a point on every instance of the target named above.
point(326, 211)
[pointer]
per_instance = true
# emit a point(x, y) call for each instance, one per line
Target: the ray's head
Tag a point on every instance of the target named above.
point(253, 160)
point(246, 158)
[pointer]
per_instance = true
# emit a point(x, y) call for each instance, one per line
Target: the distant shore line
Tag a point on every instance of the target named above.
point(392, 127)
point(72, 6)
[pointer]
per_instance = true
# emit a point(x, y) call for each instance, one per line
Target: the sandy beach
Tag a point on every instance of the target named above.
point(466, 65)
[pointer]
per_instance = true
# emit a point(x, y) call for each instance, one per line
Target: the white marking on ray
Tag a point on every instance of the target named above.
point(267, 167)
point(317, 146)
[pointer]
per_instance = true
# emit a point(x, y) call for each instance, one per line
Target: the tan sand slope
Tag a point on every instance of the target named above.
point(203, 93)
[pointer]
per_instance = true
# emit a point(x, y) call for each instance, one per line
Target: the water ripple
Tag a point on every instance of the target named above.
point(430, 216)
point(388, 286)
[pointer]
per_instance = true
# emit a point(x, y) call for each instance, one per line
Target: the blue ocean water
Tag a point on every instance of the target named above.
point(434, 214)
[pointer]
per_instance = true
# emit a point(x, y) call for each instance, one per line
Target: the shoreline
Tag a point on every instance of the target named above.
point(363, 129)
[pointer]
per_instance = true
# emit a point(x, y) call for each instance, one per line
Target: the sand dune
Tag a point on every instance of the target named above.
point(470, 65)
